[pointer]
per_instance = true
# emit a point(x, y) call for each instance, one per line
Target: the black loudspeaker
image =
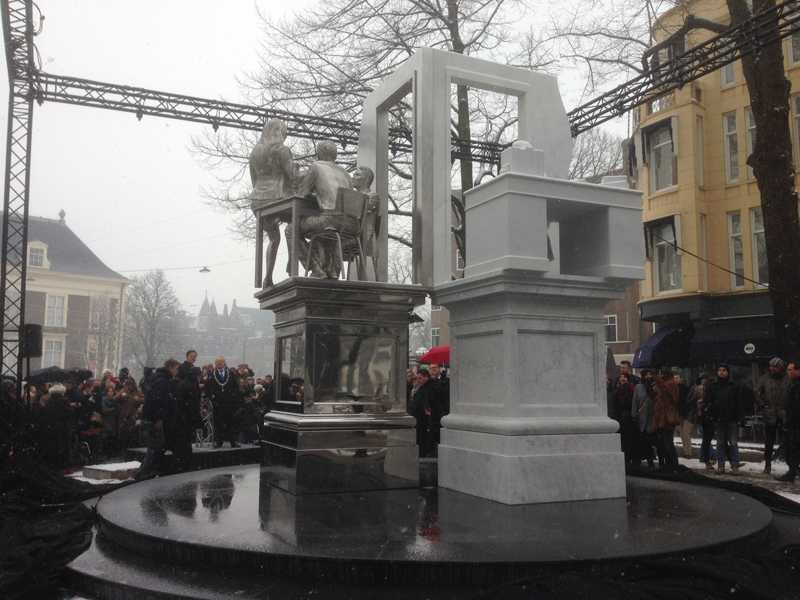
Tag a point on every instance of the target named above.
point(31, 340)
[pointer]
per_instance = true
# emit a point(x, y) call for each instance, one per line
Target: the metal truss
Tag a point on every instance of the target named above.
point(218, 113)
point(18, 30)
point(701, 60)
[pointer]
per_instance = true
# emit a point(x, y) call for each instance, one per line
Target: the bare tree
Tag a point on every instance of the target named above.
point(103, 332)
point(325, 60)
point(625, 35)
point(596, 153)
point(152, 318)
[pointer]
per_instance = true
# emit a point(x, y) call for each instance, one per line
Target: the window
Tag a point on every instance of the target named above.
point(54, 311)
point(736, 249)
point(36, 257)
point(667, 261)
point(664, 172)
point(436, 335)
point(795, 54)
point(728, 75)
point(797, 126)
point(731, 146)
point(760, 264)
point(704, 249)
point(751, 137)
point(53, 351)
point(699, 147)
point(611, 328)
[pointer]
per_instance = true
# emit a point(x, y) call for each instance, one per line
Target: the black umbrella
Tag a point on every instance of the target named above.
point(58, 375)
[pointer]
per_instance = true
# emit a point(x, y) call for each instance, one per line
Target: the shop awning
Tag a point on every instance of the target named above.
point(737, 341)
point(667, 347)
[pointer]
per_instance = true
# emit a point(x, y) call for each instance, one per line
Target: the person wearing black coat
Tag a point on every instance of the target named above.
point(159, 401)
point(726, 407)
point(225, 394)
point(185, 416)
point(426, 410)
point(792, 422)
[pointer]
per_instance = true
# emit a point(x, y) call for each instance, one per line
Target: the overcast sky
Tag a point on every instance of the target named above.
point(132, 190)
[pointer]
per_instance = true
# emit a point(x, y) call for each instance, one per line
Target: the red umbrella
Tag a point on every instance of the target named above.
point(438, 354)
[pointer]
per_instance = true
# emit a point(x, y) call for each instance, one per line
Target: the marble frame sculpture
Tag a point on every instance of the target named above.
point(429, 75)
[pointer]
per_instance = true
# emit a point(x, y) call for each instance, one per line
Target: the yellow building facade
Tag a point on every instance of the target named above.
point(702, 207)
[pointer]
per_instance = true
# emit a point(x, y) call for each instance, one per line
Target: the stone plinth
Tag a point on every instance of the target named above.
point(528, 418)
point(340, 422)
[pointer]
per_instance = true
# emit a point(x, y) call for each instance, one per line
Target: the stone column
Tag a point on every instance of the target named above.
point(528, 416)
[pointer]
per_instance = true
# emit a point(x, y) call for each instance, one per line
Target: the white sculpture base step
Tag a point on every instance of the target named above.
point(526, 469)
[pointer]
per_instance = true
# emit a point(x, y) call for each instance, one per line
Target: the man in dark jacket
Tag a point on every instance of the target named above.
point(158, 401)
point(725, 403)
point(185, 416)
point(225, 394)
point(426, 409)
point(792, 422)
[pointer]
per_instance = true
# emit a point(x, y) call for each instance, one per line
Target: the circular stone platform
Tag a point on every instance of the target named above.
point(227, 518)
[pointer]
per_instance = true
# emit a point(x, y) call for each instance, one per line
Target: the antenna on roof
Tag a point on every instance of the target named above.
point(62, 214)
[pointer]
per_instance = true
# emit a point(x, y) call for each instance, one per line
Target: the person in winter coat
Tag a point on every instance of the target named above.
point(697, 399)
point(666, 416)
point(55, 428)
point(184, 417)
point(726, 407)
point(792, 422)
point(770, 396)
point(224, 391)
point(110, 412)
point(158, 401)
point(129, 401)
point(425, 408)
point(687, 416)
point(642, 406)
point(621, 408)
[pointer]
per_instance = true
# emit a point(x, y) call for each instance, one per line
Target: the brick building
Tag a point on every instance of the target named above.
point(78, 300)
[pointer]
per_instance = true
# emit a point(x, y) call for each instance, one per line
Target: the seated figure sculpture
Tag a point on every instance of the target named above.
point(326, 182)
point(272, 174)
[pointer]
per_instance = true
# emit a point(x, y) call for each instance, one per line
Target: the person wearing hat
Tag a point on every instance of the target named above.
point(770, 396)
point(642, 413)
point(726, 408)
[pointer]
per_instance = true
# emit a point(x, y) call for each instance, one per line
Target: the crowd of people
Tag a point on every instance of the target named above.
point(650, 408)
point(167, 409)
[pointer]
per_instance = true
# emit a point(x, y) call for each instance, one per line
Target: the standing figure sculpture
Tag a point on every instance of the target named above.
point(272, 173)
point(371, 225)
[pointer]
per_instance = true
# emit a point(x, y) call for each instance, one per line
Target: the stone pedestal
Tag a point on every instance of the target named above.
point(528, 418)
point(340, 421)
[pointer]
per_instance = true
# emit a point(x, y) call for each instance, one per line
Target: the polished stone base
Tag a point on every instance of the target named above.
point(307, 454)
point(522, 469)
point(229, 532)
point(339, 420)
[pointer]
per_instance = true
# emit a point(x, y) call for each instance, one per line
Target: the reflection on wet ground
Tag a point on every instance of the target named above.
point(233, 508)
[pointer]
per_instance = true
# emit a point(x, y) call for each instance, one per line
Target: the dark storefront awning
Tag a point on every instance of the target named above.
point(736, 341)
point(667, 347)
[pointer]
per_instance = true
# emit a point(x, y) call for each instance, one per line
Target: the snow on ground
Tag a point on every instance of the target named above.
point(124, 466)
point(110, 467)
point(753, 474)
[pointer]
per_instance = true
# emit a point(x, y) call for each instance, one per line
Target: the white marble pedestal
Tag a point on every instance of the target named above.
point(528, 419)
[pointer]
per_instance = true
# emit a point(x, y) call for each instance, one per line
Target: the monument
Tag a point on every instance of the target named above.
point(340, 421)
point(527, 442)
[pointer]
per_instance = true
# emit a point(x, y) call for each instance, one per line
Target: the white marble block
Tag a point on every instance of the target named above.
point(528, 416)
